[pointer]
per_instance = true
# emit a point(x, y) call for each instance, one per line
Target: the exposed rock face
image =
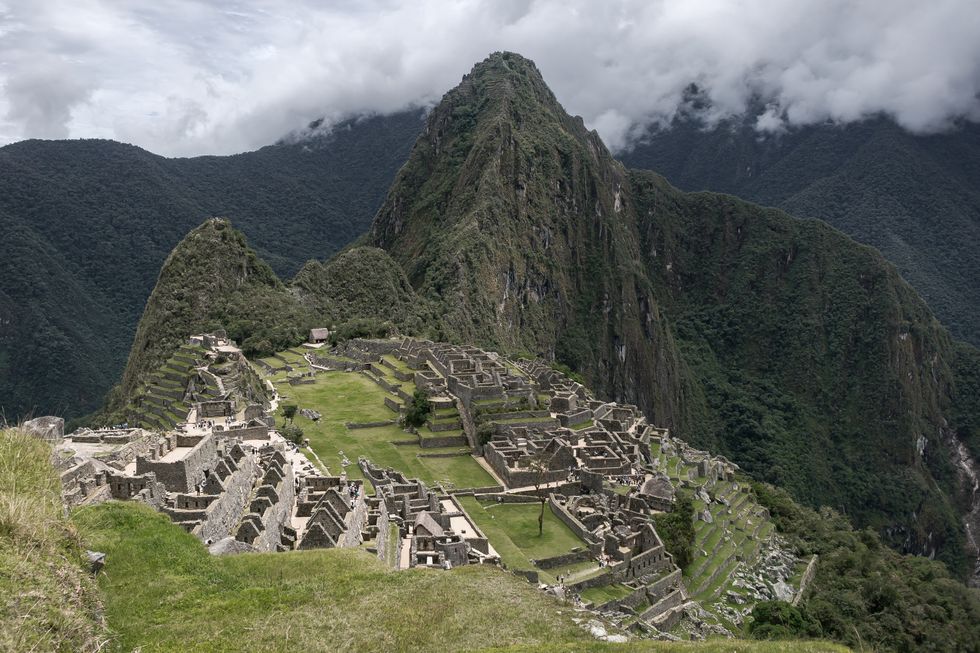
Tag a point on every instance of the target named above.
point(779, 342)
point(49, 429)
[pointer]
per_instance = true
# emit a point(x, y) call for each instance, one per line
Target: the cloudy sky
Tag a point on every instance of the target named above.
point(182, 78)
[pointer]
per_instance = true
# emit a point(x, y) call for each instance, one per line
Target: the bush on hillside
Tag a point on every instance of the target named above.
point(418, 410)
point(676, 529)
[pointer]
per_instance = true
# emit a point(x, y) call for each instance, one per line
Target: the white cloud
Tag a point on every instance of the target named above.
point(181, 77)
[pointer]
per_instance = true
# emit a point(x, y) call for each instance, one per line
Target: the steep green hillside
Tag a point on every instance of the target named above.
point(54, 329)
point(212, 280)
point(48, 600)
point(798, 352)
point(362, 283)
point(822, 368)
point(87, 225)
point(912, 197)
point(865, 594)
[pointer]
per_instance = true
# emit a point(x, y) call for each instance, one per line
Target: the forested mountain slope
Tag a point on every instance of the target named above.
point(783, 343)
point(87, 225)
point(913, 197)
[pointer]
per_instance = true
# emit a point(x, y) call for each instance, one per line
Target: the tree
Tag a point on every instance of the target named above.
point(418, 409)
point(288, 412)
point(540, 465)
point(676, 529)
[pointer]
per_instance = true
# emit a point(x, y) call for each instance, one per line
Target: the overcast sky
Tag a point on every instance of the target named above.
point(183, 78)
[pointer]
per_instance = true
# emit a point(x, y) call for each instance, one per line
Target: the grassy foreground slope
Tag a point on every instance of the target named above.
point(47, 600)
point(334, 599)
point(164, 592)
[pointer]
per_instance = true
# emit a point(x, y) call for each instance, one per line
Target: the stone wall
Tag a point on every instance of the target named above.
point(382, 539)
point(562, 560)
point(561, 512)
point(183, 475)
point(278, 514)
point(222, 515)
point(354, 521)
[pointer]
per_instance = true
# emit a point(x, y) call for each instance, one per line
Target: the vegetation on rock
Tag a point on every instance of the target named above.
point(911, 196)
point(864, 593)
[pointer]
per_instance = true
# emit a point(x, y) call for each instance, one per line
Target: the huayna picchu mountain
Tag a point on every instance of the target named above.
point(780, 342)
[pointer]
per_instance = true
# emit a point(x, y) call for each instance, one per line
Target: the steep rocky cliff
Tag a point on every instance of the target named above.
point(796, 351)
point(510, 216)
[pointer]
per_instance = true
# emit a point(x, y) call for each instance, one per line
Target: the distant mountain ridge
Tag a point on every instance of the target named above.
point(87, 226)
point(913, 197)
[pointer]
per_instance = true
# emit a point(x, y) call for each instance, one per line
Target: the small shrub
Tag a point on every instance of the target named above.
point(292, 433)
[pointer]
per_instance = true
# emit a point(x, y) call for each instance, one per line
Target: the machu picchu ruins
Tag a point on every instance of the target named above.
point(500, 437)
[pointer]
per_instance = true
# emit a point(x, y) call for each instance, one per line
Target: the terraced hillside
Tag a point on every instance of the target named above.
point(734, 541)
point(193, 375)
point(160, 403)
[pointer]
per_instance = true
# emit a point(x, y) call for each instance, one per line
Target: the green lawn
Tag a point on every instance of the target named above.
point(164, 592)
point(513, 531)
point(606, 593)
point(343, 397)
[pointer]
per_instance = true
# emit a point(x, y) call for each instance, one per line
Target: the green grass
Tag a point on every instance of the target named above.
point(606, 593)
point(343, 397)
point(513, 531)
point(164, 592)
point(48, 601)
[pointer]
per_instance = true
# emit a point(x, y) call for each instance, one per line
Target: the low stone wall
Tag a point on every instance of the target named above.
point(669, 602)
point(658, 588)
point(499, 497)
point(518, 414)
point(631, 600)
point(529, 423)
point(612, 575)
point(811, 570)
point(444, 425)
point(444, 441)
point(381, 540)
point(562, 560)
point(481, 490)
point(278, 515)
point(572, 419)
point(570, 520)
point(354, 522)
point(392, 404)
point(249, 433)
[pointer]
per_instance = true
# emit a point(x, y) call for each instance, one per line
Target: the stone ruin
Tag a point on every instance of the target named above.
point(541, 432)
point(229, 479)
point(434, 530)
